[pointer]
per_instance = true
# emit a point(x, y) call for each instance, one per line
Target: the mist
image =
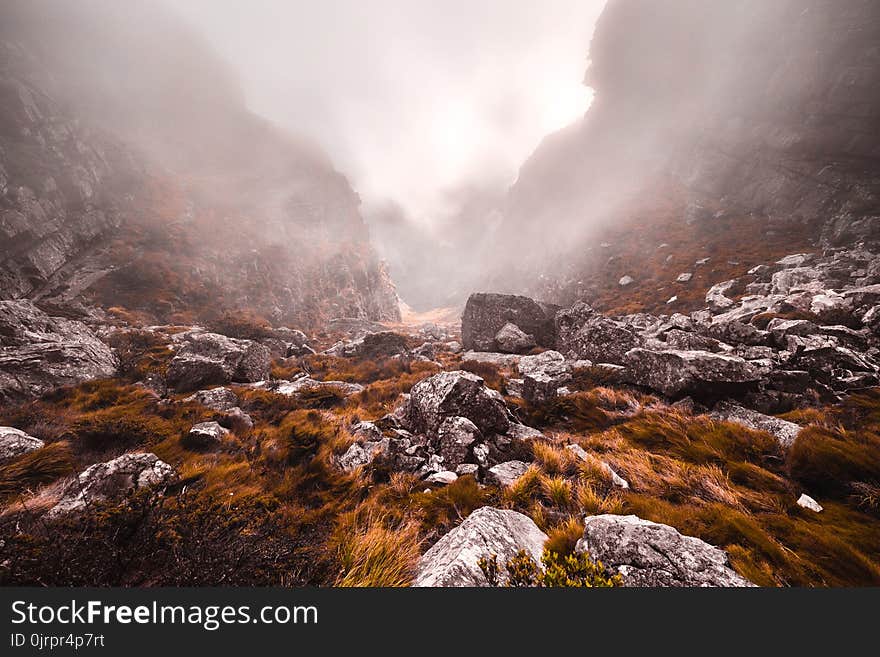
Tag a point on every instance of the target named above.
point(409, 99)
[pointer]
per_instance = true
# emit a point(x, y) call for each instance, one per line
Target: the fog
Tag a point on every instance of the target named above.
point(410, 99)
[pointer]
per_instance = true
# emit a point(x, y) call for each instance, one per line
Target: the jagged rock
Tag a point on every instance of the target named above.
point(677, 339)
point(650, 554)
point(781, 328)
point(456, 393)
point(456, 436)
point(717, 297)
point(203, 359)
point(14, 442)
point(39, 353)
point(219, 399)
point(584, 333)
point(486, 313)
point(700, 373)
point(206, 435)
point(737, 332)
point(785, 432)
point(369, 443)
point(541, 387)
point(112, 481)
point(507, 473)
point(453, 560)
point(510, 339)
point(808, 502)
point(442, 478)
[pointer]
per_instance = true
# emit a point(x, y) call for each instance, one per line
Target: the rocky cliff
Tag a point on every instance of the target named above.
point(133, 174)
point(708, 113)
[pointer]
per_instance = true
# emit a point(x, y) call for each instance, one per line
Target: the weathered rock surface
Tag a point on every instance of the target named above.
point(219, 399)
point(39, 353)
point(112, 481)
point(203, 359)
point(453, 560)
point(699, 373)
point(650, 554)
point(507, 473)
point(485, 314)
point(14, 443)
point(584, 333)
point(206, 435)
point(808, 502)
point(450, 394)
point(786, 432)
point(510, 339)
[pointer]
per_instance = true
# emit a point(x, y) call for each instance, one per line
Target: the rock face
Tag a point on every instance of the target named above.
point(701, 373)
point(88, 179)
point(14, 442)
point(209, 358)
point(485, 314)
point(650, 554)
point(453, 560)
point(111, 481)
point(39, 353)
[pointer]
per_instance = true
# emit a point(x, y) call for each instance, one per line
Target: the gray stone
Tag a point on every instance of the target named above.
point(14, 443)
point(455, 393)
point(808, 502)
point(456, 435)
point(485, 314)
point(206, 434)
point(785, 432)
point(454, 559)
point(675, 372)
point(649, 554)
point(442, 478)
point(203, 359)
point(507, 473)
point(112, 481)
point(510, 339)
point(218, 399)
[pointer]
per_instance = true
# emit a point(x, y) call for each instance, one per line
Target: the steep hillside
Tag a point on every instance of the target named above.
point(132, 173)
point(706, 117)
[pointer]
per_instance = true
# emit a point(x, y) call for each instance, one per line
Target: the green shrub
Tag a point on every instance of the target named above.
point(572, 570)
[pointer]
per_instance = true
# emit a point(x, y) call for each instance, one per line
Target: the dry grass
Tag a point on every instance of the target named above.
point(372, 554)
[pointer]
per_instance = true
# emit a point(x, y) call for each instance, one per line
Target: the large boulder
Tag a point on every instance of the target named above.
point(485, 314)
point(451, 394)
point(39, 353)
point(454, 559)
point(203, 359)
point(14, 442)
point(584, 333)
point(112, 481)
point(700, 373)
point(652, 555)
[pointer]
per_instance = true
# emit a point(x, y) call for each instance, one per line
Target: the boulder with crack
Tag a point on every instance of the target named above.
point(454, 559)
point(112, 481)
point(649, 554)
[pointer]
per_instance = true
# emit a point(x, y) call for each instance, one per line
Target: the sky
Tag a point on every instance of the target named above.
point(410, 98)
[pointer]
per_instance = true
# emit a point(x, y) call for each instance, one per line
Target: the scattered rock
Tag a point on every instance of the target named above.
point(808, 502)
point(684, 277)
point(112, 481)
point(453, 560)
point(206, 435)
point(443, 478)
point(510, 339)
point(218, 399)
point(626, 281)
point(649, 554)
point(14, 443)
point(507, 473)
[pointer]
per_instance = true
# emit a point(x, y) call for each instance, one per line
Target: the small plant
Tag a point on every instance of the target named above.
point(572, 570)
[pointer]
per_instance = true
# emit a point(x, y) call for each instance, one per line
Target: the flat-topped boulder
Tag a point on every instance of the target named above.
point(674, 372)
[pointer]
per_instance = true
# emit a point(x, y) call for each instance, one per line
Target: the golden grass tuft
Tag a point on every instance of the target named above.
point(372, 554)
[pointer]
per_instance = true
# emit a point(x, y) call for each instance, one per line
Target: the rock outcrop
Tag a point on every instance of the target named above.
point(650, 554)
point(454, 559)
point(39, 353)
point(14, 443)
